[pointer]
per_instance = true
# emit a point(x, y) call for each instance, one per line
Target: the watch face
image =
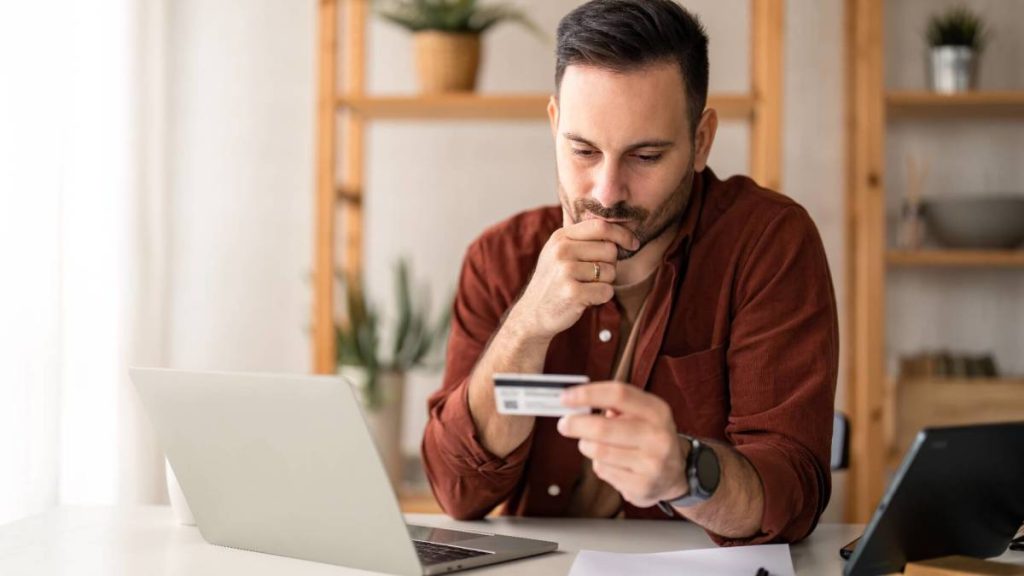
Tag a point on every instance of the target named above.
point(707, 469)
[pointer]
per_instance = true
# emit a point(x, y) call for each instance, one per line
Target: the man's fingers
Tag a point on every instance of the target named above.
point(592, 293)
point(617, 476)
point(621, 432)
point(634, 487)
point(625, 399)
point(597, 229)
point(592, 250)
point(593, 272)
point(627, 458)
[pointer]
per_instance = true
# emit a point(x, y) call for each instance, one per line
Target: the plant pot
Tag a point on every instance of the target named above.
point(178, 503)
point(447, 61)
point(382, 411)
point(953, 69)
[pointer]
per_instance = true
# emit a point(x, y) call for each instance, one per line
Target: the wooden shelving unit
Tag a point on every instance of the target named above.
point(447, 107)
point(879, 433)
point(918, 103)
point(344, 108)
point(495, 106)
point(957, 258)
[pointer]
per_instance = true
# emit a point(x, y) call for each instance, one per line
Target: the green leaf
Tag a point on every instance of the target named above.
point(404, 305)
point(462, 16)
point(487, 17)
point(957, 26)
point(416, 335)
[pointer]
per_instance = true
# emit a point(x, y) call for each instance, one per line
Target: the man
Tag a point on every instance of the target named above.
point(701, 309)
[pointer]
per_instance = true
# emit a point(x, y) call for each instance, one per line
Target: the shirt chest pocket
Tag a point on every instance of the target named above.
point(696, 387)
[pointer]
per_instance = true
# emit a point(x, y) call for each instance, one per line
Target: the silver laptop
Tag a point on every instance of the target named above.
point(285, 465)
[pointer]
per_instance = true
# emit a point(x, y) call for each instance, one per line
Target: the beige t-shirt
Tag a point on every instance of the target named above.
point(593, 498)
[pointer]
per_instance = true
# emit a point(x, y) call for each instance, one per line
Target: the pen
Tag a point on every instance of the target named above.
point(666, 509)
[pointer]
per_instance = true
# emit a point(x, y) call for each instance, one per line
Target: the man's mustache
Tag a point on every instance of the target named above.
point(619, 211)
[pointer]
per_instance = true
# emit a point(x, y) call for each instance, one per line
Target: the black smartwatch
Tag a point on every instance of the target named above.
point(702, 475)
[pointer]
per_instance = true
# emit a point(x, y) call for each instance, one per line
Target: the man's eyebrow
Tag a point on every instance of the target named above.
point(635, 146)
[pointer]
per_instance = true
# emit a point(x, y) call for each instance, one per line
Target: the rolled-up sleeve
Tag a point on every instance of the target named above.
point(783, 362)
point(468, 481)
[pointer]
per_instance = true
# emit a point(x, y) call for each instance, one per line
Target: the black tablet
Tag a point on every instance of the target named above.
point(959, 490)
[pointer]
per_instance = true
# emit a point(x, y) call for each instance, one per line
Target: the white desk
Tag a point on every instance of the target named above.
point(147, 540)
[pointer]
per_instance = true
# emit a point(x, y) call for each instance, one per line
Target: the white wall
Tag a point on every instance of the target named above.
point(240, 183)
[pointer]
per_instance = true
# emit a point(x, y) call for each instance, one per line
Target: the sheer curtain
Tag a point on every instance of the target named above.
point(81, 249)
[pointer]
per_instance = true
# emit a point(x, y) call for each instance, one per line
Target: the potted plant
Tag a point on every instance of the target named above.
point(446, 35)
point(378, 376)
point(957, 38)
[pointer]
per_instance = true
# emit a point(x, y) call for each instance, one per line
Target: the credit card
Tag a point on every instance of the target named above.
point(535, 394)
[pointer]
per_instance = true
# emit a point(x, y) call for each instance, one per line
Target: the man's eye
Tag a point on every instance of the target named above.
point(649, 158)
point(583, 152)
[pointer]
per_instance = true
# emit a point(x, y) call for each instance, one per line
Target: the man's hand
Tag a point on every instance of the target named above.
point(563, 284)
point(633, 445)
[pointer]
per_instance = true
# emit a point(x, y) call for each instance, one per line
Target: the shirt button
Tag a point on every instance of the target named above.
point(554, 490)
point(604, 335)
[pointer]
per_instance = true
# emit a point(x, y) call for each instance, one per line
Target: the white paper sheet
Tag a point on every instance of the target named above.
point(734, 561)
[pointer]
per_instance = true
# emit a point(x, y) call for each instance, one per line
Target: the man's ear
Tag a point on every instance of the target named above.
point(704, 138)
point(553, 114)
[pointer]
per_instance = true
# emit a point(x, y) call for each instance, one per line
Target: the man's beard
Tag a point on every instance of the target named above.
point(649, 224)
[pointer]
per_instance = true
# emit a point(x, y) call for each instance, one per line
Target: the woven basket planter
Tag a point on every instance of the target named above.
point(446, 61)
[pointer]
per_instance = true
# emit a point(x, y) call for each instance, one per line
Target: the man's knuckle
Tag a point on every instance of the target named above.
point(561, 250)
point(572, 291)
point(565, 269)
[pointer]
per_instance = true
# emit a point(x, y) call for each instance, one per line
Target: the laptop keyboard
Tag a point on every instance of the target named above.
point(433, 553)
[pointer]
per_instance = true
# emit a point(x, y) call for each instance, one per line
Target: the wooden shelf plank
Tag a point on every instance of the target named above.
point(906, 103)
point(496, 106)
point(957, 258)
point(449, 106)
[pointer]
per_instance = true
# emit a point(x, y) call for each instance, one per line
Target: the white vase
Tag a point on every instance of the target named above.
point(383, 415)
point(953, 69)
point(178, 503)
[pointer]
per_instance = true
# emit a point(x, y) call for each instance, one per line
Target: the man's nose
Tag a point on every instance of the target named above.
point(609, 186)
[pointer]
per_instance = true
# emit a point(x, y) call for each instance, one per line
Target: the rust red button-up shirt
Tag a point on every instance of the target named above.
point(740, 338)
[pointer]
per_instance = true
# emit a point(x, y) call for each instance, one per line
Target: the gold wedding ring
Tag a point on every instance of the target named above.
point(597, 272)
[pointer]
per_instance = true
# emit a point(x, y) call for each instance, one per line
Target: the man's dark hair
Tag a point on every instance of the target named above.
point(624, 35)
